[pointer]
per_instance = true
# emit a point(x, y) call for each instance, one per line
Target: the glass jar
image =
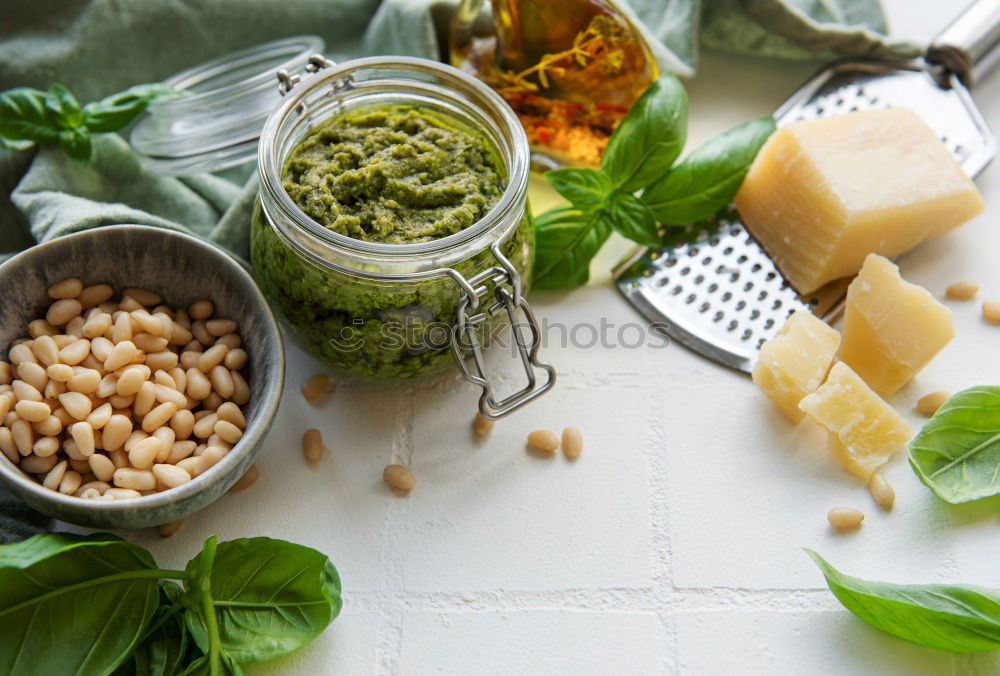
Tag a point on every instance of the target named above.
point(392, 311)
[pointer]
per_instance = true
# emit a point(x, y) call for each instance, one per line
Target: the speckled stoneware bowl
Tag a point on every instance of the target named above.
point(181, 269)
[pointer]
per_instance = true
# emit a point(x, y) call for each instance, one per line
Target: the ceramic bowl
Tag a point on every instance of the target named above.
point(182, 269)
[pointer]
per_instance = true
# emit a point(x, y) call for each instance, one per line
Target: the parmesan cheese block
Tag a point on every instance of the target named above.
point(795, 362)
point(822, 194)
point(892, 328)
point(864, 430)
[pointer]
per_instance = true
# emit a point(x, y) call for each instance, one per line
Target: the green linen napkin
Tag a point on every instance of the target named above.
point(98, 47)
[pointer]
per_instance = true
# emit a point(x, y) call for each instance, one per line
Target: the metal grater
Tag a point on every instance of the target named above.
point(720, 294)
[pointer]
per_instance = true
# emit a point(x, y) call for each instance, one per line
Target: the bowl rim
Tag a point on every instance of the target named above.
point(252, 435)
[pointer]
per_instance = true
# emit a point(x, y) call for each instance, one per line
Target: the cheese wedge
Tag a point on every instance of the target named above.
point(892, 328)
point(795, 362)
point(864, 430)
point(823, 194)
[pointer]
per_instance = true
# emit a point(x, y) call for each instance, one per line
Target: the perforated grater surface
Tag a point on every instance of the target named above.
point(721, 295)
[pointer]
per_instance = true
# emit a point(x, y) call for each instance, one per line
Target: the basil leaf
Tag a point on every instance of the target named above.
point(633, 219)
point(64, 105)
point(270, 597)
point(24, 116)
point(709, 177)
point(649, 138)
point(163, 651)
point(957, 453)
point(203, 667)
point(956, 618)
point(73, 604)
point(584, 188)
point(566, 239)
point(117, 110)
point(76, 143)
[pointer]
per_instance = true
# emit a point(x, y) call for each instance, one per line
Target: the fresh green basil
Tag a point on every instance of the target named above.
point(60, 594)
point(709, 177)
point(96, 604)
point(584, 188)
point(566, 239)
point(957, 453)
point(632, 219)
point(270, 597)
point(649, 138)
point(956, 618)
point(33, 116)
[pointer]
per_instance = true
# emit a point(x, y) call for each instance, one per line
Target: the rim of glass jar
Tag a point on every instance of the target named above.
point(491, 110)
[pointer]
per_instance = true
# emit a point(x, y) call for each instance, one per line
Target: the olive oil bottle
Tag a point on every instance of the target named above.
point(569, 68)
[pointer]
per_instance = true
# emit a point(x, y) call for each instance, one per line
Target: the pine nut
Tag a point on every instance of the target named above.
point(991, 311)
point(161, 361)
point(220, 327)
point(119, 458)
point(46, 350)
point(163, 378)
point(230, 412)
point(62, 311)
point(228, 431)
point(143, 296)
point(86, 381)
point(481, 427)
point(241, 391)
point(210, 457)
point(55, 476)
point(182, 423)
point(39, 327)
point(136, 479)
point(49, 427)
point(129, 382)
point(122, 328)
point(212, 357)
point(149, 324)
point(222, 381)
point(543, 441)
point(46, 446)
point(99, 486)
point(230, 340)
point(179, 451)
point(96, 325)
point(67, 288)
point(168, 529)
point(170, 475)
point(61, 373)
point(83, 437)
point(74, 328)
point(190, 465)
point(5, 373)
point(158, 417)
point(882, 491)
point(77, 404)
point(70, 482)
point(101, 466)
point(122, 493)
point(572, 442)
point(202, 309)
point(21, 352)
point(122, 354)
point(844, 518)
point(167, 439)
point(92, 296)
point(119, 403)
point(53, 390)
point(399, 478)
point(8, 446)
point(89, 494)
point(204, 428)
point(34, 464)
point(168, 395)
point(248, 479)
point(32, 411)
point(216, 440)
point(64, 417)
point(75, 352)
point(312, 445)
point(144, 400)
point(179, 334)
point(149, 343)
point(212, 402)
point(200, 332)
point(930, 403)
point(198, 384)
point(25, 392)
point(24, 436)
point(6, 400)
point(189, 359)
point(33, 374)
point(315, 387)
point(235, 359)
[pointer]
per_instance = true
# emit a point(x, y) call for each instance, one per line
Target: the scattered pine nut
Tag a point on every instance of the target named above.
point(991, 311)
point(315, 387)
point(845, 518)
point(168, 529)
point(544, 441)
point(572, 442)
point(248, 479)
point(481, 426)
point(882, 491)
point(312, 445)
point(929, 403)
point(399, 478)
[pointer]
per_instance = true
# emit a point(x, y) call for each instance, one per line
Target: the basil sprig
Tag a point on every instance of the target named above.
point(957, 453)
point(956, 618)
point(30, 115)
point(640, 155)
point(96, 604)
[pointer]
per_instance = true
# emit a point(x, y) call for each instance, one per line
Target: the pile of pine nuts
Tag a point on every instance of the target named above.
point(112, 400)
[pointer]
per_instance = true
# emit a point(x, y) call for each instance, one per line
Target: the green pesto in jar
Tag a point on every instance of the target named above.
point(393, 175)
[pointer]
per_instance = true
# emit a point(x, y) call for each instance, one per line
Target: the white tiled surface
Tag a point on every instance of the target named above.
point(672, 546)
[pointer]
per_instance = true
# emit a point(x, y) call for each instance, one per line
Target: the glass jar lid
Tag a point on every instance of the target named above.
point(217, 126)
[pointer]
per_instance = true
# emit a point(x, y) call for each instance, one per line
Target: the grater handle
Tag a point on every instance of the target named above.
point(970, 46)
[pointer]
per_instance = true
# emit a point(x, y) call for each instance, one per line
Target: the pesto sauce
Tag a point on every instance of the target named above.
point(392, 174)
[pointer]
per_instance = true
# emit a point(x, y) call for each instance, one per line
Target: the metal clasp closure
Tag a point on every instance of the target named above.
point(506, 284)
point(287, 81)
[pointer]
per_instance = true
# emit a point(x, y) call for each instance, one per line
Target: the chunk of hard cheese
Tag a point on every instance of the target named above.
point(795, 362)
point(823, 194)
point(864, 430)
point(892, 328)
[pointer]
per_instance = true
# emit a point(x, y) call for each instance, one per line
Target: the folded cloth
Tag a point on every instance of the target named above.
point(98, 47)
point(17, 520)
